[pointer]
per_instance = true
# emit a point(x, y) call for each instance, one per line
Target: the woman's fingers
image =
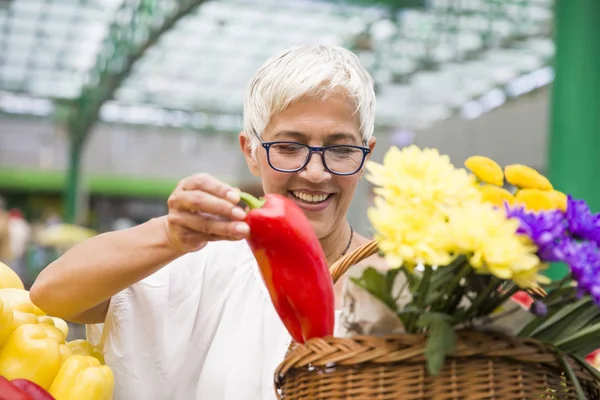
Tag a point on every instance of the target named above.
point(213, 227)
point(209, 184)
point(197, 201)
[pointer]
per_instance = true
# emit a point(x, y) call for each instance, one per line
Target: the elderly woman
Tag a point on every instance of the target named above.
point(185, 312)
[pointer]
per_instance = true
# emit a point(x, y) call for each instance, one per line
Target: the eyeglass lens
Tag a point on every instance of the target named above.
point(339, 159)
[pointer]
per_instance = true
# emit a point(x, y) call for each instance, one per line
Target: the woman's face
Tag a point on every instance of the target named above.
point(323, 196)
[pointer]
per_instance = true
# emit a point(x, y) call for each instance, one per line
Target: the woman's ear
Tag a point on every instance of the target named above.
point(249, 155)
point(371, 146)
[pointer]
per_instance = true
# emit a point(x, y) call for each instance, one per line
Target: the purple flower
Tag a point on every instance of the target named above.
point(582, 223)
point(584, 260)
point(539, 308)
point(546, 229)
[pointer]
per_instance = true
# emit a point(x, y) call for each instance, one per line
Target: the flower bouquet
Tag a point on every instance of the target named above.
point(471, 311)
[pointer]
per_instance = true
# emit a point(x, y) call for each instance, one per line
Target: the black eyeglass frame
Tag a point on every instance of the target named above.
point(315, 149)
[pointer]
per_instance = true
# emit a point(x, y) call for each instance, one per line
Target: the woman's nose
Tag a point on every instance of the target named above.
point(314, 170)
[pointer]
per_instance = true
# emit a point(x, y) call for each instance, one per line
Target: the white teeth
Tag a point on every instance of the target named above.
point(310, 198)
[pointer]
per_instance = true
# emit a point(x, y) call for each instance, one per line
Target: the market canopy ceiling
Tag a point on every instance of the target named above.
point(430, 59)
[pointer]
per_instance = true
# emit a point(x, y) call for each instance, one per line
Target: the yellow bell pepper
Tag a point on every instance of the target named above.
point(62, 325)
point(44, 319)
point(9, 278)
point(19, 300)
point(22, 318)
point(82, 377)
point(11, 320)
point(65, 353)
point(30, 353)
point(54, 333)
point(85, 348)
point(53, 321)
point(7, 322)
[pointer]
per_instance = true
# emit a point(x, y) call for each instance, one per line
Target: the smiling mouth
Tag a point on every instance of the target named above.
point(311, 198)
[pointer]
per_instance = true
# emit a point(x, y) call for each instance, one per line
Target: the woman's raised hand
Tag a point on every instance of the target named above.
point(203, 209)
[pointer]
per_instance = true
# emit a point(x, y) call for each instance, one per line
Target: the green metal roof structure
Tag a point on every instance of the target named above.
point(186, 62)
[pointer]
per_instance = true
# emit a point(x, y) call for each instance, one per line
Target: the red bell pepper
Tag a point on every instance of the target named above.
point(292, 264)
point(8, 391)
point(35, 391)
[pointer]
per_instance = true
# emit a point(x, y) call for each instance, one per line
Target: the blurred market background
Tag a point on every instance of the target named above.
point(106, 104)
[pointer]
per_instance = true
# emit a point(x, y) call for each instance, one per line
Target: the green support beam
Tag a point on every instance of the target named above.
point(574, 149)
point(137, 26)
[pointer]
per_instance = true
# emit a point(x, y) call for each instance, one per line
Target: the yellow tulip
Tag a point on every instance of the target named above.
point(526, 177)
point(486, 170)
point(9, 278)
point(537, 200)
point(496, 195)
point(560, 199)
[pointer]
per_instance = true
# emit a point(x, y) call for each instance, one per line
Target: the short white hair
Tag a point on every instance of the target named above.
point(307, 70)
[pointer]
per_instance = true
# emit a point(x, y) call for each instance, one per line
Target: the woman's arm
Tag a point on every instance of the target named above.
point(78, 286)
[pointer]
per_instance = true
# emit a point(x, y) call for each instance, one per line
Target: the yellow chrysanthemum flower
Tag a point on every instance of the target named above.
point(486, 170)
point(496, 195)
point(409, 235)
point(492, 242)
point(412, 176)
point(531, 278)
point(427, 211)
point(526, 177)
point(541, 200)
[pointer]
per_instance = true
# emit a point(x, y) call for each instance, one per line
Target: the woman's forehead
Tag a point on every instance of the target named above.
point(333, 117)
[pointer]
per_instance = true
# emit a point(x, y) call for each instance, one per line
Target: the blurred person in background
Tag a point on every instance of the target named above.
point(5, 250)
point(122, 223)
point(184, 309)
point(20, 233)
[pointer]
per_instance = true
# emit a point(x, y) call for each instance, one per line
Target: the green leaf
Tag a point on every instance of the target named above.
point(582, 319)
point(590, 368)
point(557, 323)
point(390, 278)
point(433, 297)
point(378, 284)
point(572, 377)
point(440, 342)
point(554, 306)
point(443, 276)
point(431, 318)
point(584, 341)
point(453, 302)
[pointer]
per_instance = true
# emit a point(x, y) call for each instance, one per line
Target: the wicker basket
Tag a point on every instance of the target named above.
point(484, 366)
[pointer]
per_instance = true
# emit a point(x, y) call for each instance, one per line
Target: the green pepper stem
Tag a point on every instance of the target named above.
point(251, 201)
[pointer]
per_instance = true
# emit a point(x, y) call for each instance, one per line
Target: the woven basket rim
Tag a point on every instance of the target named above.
point(410, 347)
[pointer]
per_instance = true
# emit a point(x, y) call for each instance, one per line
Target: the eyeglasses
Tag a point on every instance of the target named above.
point(337, 159)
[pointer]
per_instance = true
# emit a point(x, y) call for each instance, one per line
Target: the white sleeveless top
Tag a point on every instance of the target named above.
point(201, 328)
